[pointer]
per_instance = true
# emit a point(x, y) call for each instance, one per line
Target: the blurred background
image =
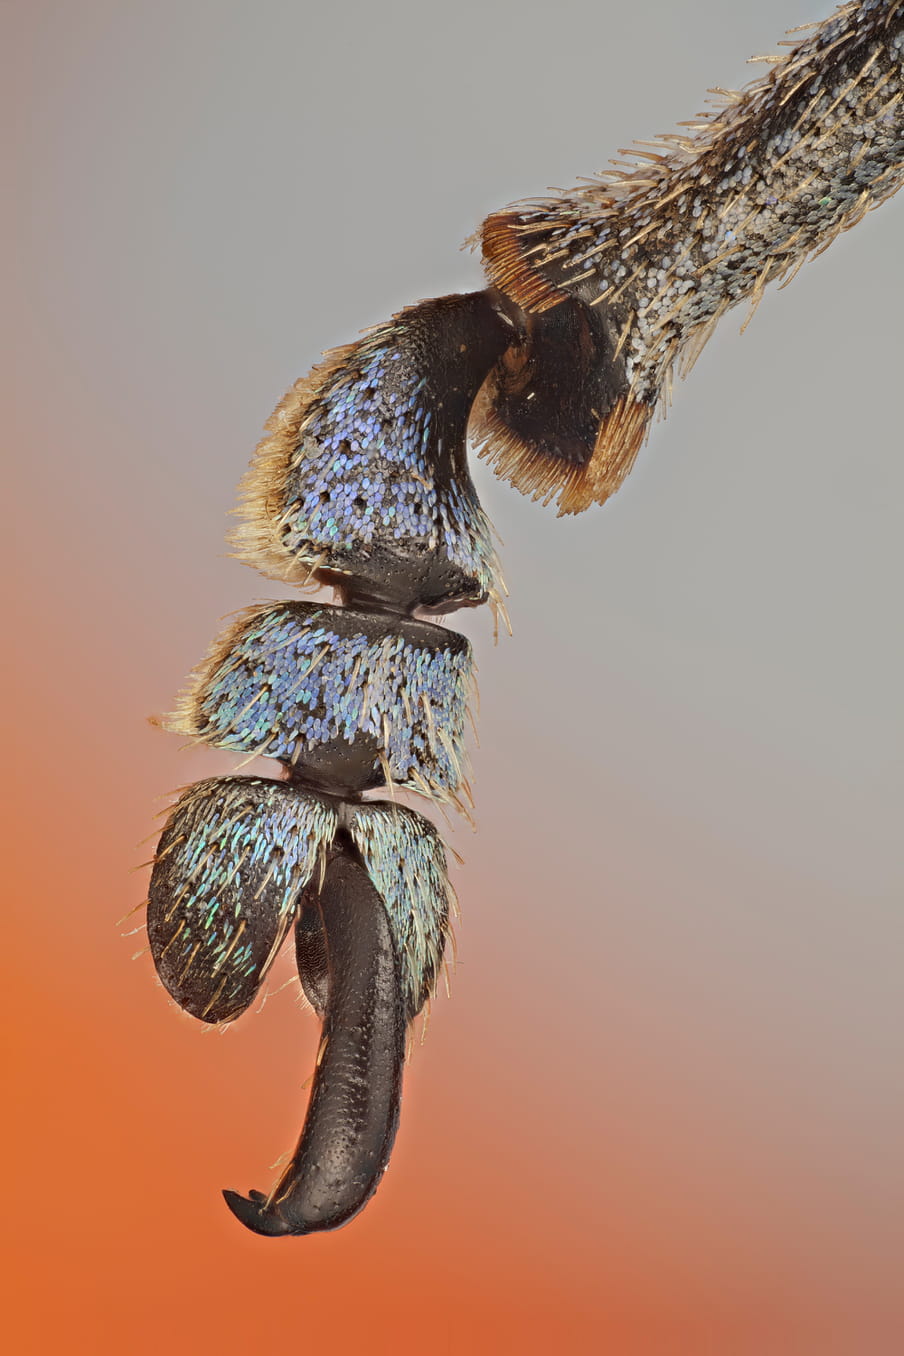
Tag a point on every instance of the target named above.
point(662, 1112)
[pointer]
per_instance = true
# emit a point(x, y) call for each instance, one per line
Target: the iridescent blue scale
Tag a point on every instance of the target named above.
point(296, 680)
point(230, 867)
point(364, 474)
point(405, 859)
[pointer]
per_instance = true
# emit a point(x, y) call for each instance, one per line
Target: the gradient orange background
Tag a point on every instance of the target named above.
point(662, 1113)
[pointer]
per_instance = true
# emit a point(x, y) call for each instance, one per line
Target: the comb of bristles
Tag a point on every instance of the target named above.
point(621, 435)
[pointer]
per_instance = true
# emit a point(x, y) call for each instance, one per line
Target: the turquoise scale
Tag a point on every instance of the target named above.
point(342, 697)
point(230, 867)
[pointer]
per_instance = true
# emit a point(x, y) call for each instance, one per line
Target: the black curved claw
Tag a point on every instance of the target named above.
point(252, 1210)
point(353, 1112)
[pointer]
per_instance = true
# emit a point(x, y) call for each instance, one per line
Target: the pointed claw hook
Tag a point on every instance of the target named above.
point(252, 1211)
point(353, 1112)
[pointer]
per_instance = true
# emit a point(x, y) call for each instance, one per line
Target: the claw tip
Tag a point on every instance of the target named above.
point(253, 1212)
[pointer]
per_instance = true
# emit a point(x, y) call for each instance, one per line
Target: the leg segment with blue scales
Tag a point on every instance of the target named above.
point(595, 298)
point(362, 484)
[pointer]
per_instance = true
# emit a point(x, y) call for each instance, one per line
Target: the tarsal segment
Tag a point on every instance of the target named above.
point(406, 860)
point(229, 869)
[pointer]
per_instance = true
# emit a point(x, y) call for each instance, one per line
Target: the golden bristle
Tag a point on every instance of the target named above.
point(507, 267)
point(540, 476)
point(620, 438)
point(220, 659)
point(263, 488)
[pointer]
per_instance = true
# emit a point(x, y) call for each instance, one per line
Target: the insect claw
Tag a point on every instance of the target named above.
point(252, 1211)
point(350, 1125)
